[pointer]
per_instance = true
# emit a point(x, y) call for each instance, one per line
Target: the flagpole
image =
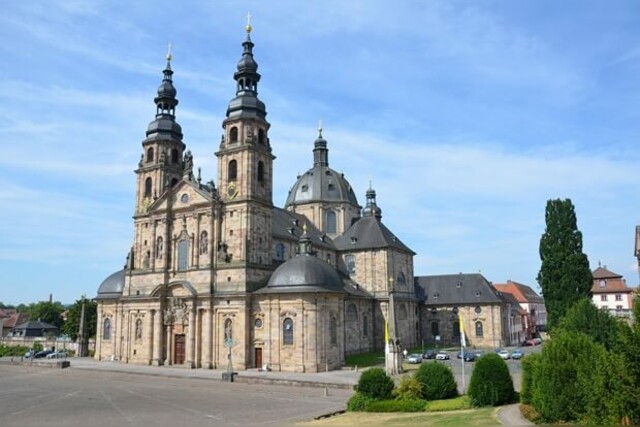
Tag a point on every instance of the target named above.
point(462, 345)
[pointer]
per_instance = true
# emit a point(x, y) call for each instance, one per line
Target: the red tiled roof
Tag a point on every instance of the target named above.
point(606, 282)
point(523, 293)
point(603, 273)
point(15, 319)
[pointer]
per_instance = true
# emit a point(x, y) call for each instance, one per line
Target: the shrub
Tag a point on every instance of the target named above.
point(529, 365)
point(437, 381)
point(567, 377)
point(359, 402)
point(375, 383)
point(455, 404)
point(412, 405)
point(408, 389)
point(491, 383)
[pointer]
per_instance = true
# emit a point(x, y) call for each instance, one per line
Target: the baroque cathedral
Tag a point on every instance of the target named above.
point(217, 274)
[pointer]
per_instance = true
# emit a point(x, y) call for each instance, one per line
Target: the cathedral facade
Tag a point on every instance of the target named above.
point(218, 276)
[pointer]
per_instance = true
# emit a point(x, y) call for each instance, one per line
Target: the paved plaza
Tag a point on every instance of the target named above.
point(37, 396)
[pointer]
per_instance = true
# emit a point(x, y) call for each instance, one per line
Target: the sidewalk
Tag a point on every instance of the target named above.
point(344, 379)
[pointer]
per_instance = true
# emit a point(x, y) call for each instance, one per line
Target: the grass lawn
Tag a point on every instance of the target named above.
point(471, 417)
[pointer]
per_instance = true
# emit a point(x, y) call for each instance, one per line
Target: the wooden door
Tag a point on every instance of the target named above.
point(178, 352)
point(258, 357)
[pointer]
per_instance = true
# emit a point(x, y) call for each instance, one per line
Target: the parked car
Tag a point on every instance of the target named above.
point(442, 355)
point(470, 356)
point(414, 358)
point(29, 354)
point(42, 354)
point(58, 355)
point(459, 355)
point(429, 354)
point(504, 354)
point(517, 354)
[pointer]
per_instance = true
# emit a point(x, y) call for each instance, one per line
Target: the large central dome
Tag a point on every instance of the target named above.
point(321, 183)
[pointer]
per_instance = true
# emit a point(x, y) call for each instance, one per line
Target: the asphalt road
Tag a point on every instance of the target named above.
point(31, 396)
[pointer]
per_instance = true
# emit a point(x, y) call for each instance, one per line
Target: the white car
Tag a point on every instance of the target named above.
point(504, 354)
point(442, 355)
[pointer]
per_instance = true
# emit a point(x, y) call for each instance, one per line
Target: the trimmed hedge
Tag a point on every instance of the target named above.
point(437, 381)
point(375, 383)
point(529, 365)
point(491, 383)
point(414, 405)
point(359, 402)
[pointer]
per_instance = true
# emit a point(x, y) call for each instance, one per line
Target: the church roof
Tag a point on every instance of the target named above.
point(369, 233)
point(112, 286)
point(321, 183)
point(456, 289)
point(287, 225)
point(304, 273)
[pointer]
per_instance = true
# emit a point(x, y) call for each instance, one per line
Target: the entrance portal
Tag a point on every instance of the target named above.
point(178, 352)
point(258, 357)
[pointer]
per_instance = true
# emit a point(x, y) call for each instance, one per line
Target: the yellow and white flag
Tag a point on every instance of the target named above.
point(463, 341)
point(386, 337)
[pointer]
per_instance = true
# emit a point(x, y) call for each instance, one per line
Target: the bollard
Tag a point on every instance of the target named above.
point(326, 391)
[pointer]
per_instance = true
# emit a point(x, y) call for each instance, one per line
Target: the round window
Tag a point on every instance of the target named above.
point(478, 309)
point(184, 198)
point(258, 323)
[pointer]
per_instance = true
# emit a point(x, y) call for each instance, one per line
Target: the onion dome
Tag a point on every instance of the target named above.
point(165, 126)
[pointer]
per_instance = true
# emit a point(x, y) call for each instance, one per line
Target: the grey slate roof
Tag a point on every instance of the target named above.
point(456, 289)
point(369, 233)
point(34, 328)
point(321, 183)
point(287, 225)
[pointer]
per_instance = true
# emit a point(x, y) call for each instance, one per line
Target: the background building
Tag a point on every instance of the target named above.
point(610, 292)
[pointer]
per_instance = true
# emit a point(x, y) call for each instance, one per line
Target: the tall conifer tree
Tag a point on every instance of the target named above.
point(565, 276)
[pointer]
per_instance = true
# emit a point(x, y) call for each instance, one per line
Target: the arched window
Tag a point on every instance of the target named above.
point(148, 183)
point(228, 331)
point(352, 312)
point(435, 328)
point(159, 247)
point(150, 155)
point(260, 136)
point(287, 332)
point(331, 223)
point(204, 243)
point(350, 262)
point(138, 335)
point(279, 252)
point(175, 156)
point(333, 331)
point(456, 329)
point(233, 134)
point(232, 171)
point(183, 249)
point(479, 329)
point(106, 329)
point(260, 172)
point(402, 312)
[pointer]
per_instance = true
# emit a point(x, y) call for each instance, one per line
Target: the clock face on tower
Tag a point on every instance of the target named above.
point(232, 190)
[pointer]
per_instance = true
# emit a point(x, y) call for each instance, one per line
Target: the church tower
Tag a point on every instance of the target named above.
point(160, 165)
point(245, 181)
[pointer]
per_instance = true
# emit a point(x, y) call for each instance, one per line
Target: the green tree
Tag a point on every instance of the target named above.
point(565, 276)
point(437, 381)
point(71, 326)
point(491, 383)
point(375, 383)
point(585, 317)
point(49, 312)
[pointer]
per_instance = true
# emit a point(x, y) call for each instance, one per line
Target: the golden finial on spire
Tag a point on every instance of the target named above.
point(320, 128)
point(169, 52)
point(248, 27)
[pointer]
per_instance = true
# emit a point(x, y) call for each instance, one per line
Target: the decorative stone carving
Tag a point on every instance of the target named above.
point(176, 313)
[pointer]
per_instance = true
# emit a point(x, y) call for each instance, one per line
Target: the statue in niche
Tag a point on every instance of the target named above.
point(146, 261)
point(204, 245)
point(139, 329)
point(159, 247)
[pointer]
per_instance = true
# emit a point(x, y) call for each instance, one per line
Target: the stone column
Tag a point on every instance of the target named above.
point(169, 358)
point(206, 339)
point(191, 337)
point(149, 336)
point(157, 338)
point(99, 330)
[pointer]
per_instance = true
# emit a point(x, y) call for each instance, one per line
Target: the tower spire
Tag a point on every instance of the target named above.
point(320, 150)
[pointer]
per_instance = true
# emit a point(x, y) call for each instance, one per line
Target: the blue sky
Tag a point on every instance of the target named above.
point(466, 116)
